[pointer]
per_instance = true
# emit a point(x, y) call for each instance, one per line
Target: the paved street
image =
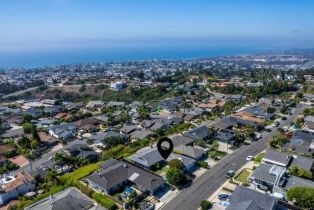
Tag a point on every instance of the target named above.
point(37, 162)
point(191, 197)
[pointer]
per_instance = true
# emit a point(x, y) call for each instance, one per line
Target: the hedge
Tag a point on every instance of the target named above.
point(202, 164)
point(206, 205)
point(79, 173)
point(104, 201)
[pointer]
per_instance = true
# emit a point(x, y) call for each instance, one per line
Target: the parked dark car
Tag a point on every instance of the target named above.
point(230, 174)
point(284, 118)
point(223, 197)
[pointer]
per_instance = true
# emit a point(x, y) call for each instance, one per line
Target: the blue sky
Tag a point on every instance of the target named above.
point(53, 24)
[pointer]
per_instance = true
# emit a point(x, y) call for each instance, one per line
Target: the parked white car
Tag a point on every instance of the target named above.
point(250, 158)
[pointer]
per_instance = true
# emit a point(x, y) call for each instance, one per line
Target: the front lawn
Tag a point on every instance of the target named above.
point(259, 158)
point(217, 153)
point(243, 176)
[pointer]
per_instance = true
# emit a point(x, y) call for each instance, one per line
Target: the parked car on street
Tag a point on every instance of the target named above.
point(230, 174)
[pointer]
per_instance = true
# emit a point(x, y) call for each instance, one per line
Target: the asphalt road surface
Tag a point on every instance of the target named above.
point(191, 197)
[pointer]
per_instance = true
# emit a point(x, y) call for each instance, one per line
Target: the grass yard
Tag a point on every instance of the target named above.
point(259, 158)
point(243, 176)
point(163, 170)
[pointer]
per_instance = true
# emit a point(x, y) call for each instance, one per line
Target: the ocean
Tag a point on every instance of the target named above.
point(55, 57)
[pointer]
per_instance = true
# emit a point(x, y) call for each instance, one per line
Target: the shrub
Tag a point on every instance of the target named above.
point(202, 164)
point(105, 201)
point(175, 163)
point(206, 204)
point(303, 196)
point(259, 157)
point(175, 176)
point(79, 173)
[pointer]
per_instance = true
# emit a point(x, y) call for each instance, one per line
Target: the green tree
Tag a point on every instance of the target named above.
point(143, 112)
point(175, 163)
point(293, 170)
point(24, 142)
point(302, 172)
point(82, 88)
point(27, 118)
point(302, 196)
point(34, 144)
point(205, 204)
point(215, 145)
point(35, 134)
point(113, 141)
point(175, 177)
point(27, 127)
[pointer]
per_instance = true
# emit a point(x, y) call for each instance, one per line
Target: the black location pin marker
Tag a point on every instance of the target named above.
point(163, 150)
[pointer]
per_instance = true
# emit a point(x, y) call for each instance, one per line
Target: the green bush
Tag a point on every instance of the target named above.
point(105, 201)
point(79, 173)
point(303, 196)
point(202, 164)
point(206, 205)
point(259, 157)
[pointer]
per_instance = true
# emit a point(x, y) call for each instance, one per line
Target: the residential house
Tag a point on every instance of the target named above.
point(94, 104)
point(116, 174)
point(169, 105)
point(247, 119)
point(258, 112)
point(47, 139)
point(182, 140)
point(226, 136)
point(102, 118)
point(277, 158)
point(236, 98)
point(74, 107)
point(68, 199)
point(34, 112)
point(147, 157)
point(190, 114)
point(7, 149)
point(13, 134)
point(115, 104)
point(267, 176)
point(287, 160)
point(128, 129)
point(147, 124)
point(294, 181)
point(157, 126)
point(64, 131)
point(303, 162)
point(198, 133)
point(224, 123)
point(308, 123)
point(213, 104)
point(244, 198)
point(5, 125)
point(193, 152)
point(52, 110)
point(83, 151)
point(139, 134)
point(89, 125)
point(43, 122)
point(13, 186)
point(302, 141)
point(188, 162)
point(63, 116)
